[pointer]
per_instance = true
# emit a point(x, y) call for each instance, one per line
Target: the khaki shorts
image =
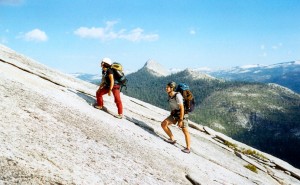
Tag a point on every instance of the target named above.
point(185, 120)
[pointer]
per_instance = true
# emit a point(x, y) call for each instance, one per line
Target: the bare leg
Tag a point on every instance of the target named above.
point(187, 137)
point(165, 125)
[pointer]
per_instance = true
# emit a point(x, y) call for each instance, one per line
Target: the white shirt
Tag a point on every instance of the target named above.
point(174, 102)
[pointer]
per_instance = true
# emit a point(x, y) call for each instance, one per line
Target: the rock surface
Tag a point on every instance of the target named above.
point(50, 134)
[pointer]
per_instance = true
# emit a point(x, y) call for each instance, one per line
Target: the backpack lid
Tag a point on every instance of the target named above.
point(182, 87)
point(117, 66)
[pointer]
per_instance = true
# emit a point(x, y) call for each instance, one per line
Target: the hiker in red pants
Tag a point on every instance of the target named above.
point(108, 86)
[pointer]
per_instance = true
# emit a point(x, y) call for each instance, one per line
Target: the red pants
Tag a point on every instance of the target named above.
point(116, 93)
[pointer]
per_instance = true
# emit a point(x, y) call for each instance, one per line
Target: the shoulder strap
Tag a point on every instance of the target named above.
point(174, 95)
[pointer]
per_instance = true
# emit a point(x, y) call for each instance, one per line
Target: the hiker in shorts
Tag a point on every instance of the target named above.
point(108, 86)
point(177, 116)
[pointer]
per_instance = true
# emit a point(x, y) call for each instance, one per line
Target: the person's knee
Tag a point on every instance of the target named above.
point(118, 100)
point(164, 124)
point(185, 130)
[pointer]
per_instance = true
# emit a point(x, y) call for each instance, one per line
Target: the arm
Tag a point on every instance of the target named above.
point(180, 120)
point(112, 82)
point(102, 83)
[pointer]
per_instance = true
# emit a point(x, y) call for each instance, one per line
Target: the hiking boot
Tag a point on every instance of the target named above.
point(98, 107)
point(170, 141)
point(186, 150)
point(120, 116)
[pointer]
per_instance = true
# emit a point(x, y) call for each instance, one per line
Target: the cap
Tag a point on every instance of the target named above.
point(106, 60)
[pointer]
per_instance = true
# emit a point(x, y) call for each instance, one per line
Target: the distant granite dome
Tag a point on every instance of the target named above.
point(194, 74)
point(156, 68)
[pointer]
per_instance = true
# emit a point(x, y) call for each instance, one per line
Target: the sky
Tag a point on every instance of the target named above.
point(73, 36)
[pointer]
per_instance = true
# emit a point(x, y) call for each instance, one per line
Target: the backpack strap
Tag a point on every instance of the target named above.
point(172, 96)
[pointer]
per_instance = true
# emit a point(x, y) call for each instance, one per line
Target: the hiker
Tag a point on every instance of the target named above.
point(177, 115)
point(109, 86)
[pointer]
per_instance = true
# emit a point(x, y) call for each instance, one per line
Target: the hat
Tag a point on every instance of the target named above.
point(106, 60)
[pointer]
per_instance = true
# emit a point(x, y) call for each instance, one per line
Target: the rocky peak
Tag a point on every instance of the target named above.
point(155, 68)
point(194, 74)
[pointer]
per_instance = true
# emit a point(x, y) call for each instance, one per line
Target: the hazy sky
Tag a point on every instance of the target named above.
point(73, 35)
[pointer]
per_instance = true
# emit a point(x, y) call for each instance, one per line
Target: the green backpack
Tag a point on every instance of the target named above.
point(119, 75)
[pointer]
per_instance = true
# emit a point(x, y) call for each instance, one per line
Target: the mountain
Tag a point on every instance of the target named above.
point(147, 86)
point(264, 116)
point(50, 134)
point(155, 68)
point(286, 74)
point(249, 112)
point(194, 75)
point(158, 70)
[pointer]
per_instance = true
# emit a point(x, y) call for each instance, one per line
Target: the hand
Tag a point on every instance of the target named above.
point(109, 92)
point(180, 123)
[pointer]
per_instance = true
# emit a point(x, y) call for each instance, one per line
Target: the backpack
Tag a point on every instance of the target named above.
point(119, 75)
point(188, 98)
